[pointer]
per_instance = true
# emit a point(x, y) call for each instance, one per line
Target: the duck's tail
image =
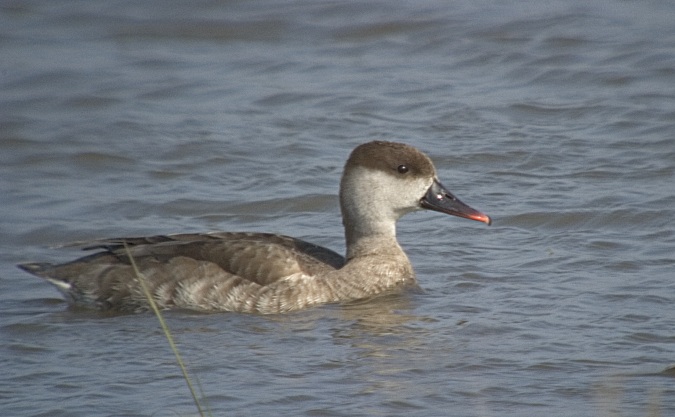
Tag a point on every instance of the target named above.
point(42, 269)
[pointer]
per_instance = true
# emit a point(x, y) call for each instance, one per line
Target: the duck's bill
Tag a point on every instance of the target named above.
point(438, 198)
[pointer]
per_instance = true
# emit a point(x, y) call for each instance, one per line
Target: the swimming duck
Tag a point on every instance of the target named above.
point(269, 273)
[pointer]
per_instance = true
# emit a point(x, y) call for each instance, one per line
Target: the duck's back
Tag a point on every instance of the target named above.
point(213, 271)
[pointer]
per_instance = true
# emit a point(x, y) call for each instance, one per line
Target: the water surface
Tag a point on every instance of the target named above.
point(556, 118)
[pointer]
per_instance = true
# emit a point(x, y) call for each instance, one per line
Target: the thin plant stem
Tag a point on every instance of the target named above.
point(165, 329)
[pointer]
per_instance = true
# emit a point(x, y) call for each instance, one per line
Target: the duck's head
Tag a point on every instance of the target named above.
point(382, 181)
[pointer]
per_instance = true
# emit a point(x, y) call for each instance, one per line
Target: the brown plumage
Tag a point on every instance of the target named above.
point(267, 273)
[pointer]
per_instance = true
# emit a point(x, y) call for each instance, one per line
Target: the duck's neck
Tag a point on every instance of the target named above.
point(369, 238)
point(369, 230)
point(368, 217)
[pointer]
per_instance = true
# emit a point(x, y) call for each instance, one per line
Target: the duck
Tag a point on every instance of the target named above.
point(270, 273)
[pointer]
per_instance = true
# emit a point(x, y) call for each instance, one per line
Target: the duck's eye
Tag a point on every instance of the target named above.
point(402, 169)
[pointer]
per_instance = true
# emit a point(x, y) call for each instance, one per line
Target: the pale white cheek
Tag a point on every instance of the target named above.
point(423, 186)
point(408, 193)
point(377, 191)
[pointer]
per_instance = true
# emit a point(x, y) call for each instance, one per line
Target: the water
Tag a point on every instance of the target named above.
point(556, 118)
